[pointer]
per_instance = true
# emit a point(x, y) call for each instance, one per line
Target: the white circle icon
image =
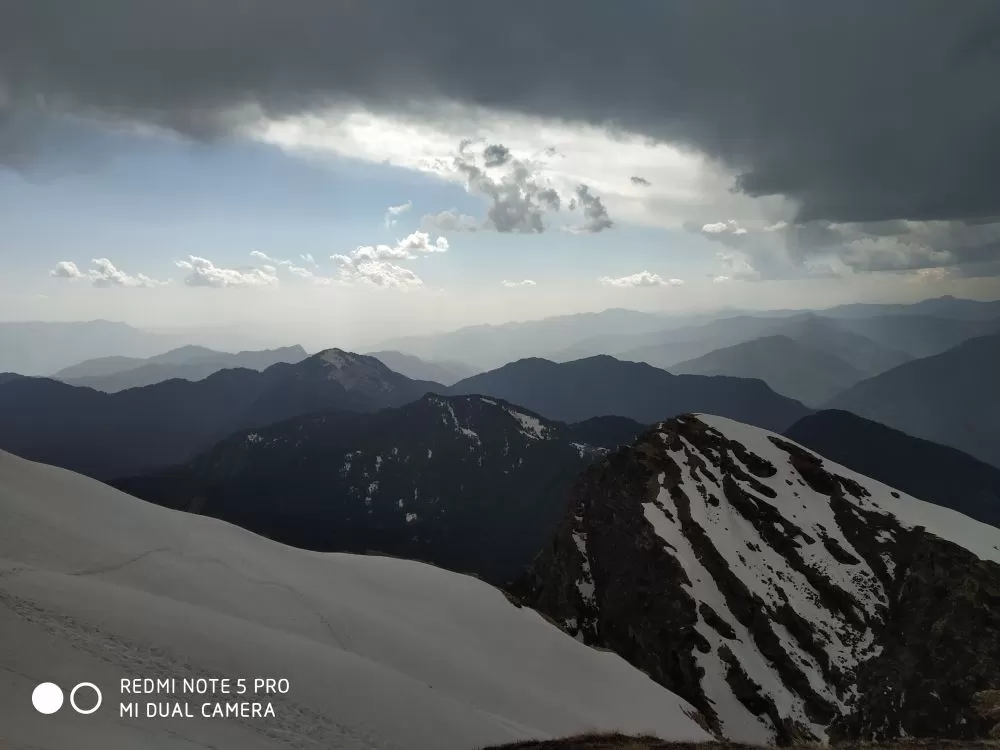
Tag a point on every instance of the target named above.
point(47, 698)
point(72, 698)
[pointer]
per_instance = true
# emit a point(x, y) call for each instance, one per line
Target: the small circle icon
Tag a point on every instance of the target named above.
point(47, 698)
point(72, 698)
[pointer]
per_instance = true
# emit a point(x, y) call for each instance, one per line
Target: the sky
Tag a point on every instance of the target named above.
point(389, 167)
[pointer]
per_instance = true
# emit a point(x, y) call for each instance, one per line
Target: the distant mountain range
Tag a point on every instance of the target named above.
point(113, 374)
point(790, 368)
point(44, 347)
point(951, 398)
point(489, 346)
point(469, 483)
point(141, 429)
point(445, 372)
point(787, 598)
point(928, 471)
point(596, 386)
point(813, 331)
point(41, 348)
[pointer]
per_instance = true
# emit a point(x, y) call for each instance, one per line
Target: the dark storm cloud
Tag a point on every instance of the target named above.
point(860, 111)
point(595, 215)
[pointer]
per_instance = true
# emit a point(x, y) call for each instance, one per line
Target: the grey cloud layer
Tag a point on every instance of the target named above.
point(859, 111)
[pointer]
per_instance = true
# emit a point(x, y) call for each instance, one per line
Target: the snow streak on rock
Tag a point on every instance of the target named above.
point(759, 581)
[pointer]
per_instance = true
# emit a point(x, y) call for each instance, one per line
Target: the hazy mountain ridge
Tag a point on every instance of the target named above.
point(597, 386)
point(489, 346)
point(791, 369)
point(786, 597)
point(813, 331)
point(187, 363)
point(950, 398)
point(470, 483)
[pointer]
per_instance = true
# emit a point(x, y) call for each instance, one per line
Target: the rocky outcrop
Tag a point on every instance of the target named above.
point(786, 598)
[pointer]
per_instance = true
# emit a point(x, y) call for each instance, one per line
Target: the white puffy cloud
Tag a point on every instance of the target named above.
point(522, 282)
point(643, 278)
point(407, 248)
point(370, 264)
point(202, 272)
point(66, 269)
point(420, 242)
point(103, 274)
point(360, 268)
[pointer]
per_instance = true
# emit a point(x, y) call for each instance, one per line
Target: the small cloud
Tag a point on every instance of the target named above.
point(302, 273)
point(271, 265)
point(737, 266)
point(449, 221)
point(496, 155)
point(202, 272)
point(726, 227)
point(929, 275)
point(394, 211)
point(641, 181)
point(595, 214)
point(103, 274)
point(643, 278)
point(721, 279)
point(522, 282)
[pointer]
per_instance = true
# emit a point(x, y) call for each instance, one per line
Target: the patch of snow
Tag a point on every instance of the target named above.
point(253, 437)
point(530, 426)
point(411, 517)
point(379, 652)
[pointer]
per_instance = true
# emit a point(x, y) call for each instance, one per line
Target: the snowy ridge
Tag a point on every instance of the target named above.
point(379, 652)
point(779, 570)
point(353, 370)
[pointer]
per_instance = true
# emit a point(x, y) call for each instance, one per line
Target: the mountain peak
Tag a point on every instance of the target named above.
point(339, 359)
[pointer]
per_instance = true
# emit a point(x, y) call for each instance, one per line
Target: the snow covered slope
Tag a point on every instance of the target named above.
point(380, 653)
point(785, 596)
